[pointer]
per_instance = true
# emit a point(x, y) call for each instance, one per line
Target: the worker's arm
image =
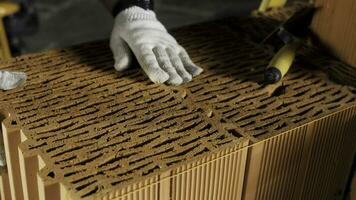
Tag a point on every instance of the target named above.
point(136, 28)
point(116, 6)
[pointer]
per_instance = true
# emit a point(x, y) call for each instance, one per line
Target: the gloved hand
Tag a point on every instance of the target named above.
point(158, 53)
point(11, 80)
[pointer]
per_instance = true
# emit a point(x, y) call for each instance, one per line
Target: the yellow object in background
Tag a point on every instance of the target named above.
point(6, 9)
point(265, 4)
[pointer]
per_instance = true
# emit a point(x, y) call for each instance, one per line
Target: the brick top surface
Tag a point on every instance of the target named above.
point(98, 129)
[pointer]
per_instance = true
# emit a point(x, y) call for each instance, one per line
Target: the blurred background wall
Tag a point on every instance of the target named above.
point(68, 22)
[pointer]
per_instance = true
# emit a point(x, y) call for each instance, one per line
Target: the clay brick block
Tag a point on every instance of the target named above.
point(80, 130)
point(335, 25)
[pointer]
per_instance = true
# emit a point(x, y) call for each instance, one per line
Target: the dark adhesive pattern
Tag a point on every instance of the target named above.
point(100, 129)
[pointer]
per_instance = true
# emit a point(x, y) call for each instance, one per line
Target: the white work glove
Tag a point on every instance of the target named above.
point(11, 80)
point(158, 53)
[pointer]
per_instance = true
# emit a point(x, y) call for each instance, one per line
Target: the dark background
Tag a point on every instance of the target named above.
point(68, 22)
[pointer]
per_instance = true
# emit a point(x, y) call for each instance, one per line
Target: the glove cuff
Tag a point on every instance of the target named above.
point(125, 4)
point(136, 13)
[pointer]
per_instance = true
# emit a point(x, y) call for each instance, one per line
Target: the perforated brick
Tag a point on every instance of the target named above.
point(97, 130)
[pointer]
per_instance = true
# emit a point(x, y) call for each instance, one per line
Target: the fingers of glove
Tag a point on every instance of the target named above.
point(11, 80)
point(122, 53)
point(149, 64)
point(192, 68)
point(165, 63)
point(178, 65)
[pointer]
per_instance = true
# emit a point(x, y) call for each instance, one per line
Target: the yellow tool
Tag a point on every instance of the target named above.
point(281, 63)
point(6, 9)
point(291, 33)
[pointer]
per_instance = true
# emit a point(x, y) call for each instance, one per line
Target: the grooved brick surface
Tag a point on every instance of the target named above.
point(98, 129)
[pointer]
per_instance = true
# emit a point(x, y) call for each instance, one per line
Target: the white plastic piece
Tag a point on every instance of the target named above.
point(11, 80)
